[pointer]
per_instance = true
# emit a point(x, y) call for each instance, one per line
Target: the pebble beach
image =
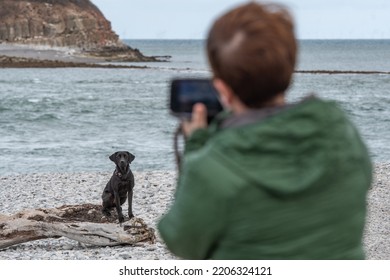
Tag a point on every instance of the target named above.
point(153, 194)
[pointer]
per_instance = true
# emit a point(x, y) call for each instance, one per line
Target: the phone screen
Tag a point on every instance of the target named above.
point(186, 92)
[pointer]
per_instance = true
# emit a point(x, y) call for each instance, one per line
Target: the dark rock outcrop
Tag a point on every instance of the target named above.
point(23, 62)
point(77, 24)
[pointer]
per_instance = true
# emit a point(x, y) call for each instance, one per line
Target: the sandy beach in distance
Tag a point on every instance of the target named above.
point(64, 54)
point(153, 194)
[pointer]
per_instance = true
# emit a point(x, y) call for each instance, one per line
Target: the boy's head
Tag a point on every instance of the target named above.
point(252, 48)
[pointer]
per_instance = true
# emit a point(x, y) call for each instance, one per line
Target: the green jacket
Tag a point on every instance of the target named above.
point(290, 186)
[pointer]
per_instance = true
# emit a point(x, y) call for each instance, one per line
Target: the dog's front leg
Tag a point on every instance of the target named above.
point(130, 202)
point(107, 202)
point(119, 208)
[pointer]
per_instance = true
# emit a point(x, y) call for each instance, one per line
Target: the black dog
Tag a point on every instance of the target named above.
point(120, 186)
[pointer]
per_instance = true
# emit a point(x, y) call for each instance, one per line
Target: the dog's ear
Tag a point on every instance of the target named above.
point(113, 157)
point(131, 157)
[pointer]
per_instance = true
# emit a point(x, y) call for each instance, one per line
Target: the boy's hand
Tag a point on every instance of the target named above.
point(198, 120)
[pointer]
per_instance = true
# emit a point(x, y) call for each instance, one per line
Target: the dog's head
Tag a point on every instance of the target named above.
point(122, 160)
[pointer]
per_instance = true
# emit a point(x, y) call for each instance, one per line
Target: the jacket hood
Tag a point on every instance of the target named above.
point(291, 150)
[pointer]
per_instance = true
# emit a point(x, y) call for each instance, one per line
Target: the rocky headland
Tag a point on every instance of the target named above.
point(61, 30)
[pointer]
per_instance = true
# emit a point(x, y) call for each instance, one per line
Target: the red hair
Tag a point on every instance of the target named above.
point(253, 49)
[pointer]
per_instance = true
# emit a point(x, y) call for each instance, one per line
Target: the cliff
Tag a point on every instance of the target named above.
point(76, 24)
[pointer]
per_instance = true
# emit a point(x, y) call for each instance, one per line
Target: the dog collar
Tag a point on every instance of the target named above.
point(119, 174)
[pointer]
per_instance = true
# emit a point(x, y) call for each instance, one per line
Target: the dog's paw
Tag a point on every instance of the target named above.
point(121, 219)
point(106, 212)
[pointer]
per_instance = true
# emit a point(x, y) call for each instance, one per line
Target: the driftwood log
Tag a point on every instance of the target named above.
point(84, 223)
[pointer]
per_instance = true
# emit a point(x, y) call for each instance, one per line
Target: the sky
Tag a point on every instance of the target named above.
point(191, 19)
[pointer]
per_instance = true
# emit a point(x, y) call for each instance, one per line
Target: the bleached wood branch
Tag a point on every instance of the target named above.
point(83, 223)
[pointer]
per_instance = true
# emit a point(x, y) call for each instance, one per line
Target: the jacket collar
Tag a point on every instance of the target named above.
point(256, 115)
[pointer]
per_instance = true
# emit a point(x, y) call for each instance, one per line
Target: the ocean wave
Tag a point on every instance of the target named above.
point(45, 117)
point(34, 100)
point(100, 81)
point(335, 72)
point(4, 109)
point(183, 70)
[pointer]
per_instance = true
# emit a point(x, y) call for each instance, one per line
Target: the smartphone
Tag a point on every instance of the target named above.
point(186, 92)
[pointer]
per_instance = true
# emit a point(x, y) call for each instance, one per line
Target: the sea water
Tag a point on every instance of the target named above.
point(72, 119)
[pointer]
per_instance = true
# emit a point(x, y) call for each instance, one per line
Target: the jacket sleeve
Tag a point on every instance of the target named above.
point(200, 136)
point(196, 140)
point(196, 219)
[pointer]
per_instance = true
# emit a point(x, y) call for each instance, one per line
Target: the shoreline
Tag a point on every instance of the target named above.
point(44, 52)
point(153, 195)
point(43, 56)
